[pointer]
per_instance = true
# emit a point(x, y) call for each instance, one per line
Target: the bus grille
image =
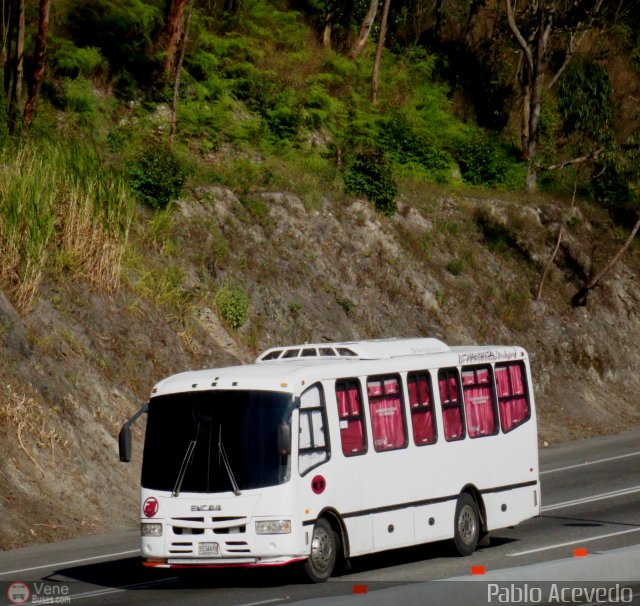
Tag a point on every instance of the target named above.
point(218, 525)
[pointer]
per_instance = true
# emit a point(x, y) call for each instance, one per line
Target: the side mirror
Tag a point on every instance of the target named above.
point(124, 443)
point(124, 438)
point(284, 438)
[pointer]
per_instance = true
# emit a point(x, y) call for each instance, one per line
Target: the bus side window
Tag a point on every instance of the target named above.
point(313, 443)
point(452, 417)
point(479, 401)
point(513, 399)
point(423, 420)
point(351, 416)
point(387, 413)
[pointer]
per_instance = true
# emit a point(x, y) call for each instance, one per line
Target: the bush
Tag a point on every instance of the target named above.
point(406, 146)
point(585, 100)
point(611, 186)
point(232, 303)
point(482, 161)
point(80, 99)
point(70, 61)
point(158, 176)
point(370, 176)
point(122, 30)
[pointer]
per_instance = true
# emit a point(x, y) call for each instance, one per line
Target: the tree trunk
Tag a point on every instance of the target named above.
point(580, 298)
point(365, 29)
point(437, 29)
point(379, 49)
point(535, 54)
point(4, 33)
point(39, 58)
point(174, 33)
point(176, 85)
point(15, 101)
point(326, 31)
point(469, 26)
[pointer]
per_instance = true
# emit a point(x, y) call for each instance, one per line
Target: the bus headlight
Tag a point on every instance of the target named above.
point(273, 527)
point(151, 530)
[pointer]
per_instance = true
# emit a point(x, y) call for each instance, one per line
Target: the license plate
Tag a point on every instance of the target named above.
point(208, 549)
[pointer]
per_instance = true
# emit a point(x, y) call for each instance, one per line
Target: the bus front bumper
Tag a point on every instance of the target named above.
point(247, 562)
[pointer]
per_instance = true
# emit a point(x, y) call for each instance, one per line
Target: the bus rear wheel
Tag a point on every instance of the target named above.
point(467, 525)
point(325, 546)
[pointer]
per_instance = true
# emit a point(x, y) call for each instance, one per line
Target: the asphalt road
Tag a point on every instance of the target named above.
point(590, 499)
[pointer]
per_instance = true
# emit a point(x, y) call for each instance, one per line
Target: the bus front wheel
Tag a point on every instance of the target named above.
point(325, 545)
point(467, 525)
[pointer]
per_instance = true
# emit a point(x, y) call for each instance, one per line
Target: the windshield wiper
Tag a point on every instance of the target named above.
point(183, 467)
point(223, 455)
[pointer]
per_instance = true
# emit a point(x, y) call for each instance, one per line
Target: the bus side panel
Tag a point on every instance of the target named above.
point(360, 532)
point(518, 505)
point(393, 529)
point(434, 522)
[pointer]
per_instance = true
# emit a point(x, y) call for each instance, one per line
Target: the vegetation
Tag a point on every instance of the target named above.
point(270, 93)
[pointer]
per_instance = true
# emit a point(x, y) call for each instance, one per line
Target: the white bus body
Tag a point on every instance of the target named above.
point(395, 442)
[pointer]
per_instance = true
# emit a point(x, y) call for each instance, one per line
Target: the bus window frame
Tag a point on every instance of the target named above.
point(447, 405)
point(325, 428)
point(403, 417)
point(492, 392)
point(360, 417)
point(526, 393)
point(419, 408)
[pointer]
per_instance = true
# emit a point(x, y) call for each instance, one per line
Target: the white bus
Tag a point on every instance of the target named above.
point(321, 452)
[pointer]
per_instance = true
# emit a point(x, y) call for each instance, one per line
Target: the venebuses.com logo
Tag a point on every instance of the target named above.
point(38, 593)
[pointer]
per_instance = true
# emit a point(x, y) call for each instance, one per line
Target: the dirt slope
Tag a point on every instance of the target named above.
point(461, 269)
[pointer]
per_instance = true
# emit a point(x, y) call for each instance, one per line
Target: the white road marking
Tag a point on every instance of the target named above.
point(579, 541)
point(284, 597)
point(56, 564)
point(596, 497)
point(624, 456)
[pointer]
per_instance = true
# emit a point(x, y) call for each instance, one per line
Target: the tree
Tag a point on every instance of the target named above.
point(176, 86)
point(175, 23)
point(379, 49)
point(533, 27)
point(39, 58)
point(14, 64)
point(617, 186)
point(365, 30)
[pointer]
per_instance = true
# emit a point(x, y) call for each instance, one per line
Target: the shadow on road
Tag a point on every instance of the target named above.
point(586, 522)
point(129, 572)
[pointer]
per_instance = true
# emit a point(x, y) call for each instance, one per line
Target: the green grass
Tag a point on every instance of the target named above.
point(61, 209)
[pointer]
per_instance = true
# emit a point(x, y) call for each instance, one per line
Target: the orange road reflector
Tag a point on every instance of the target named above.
point(580, 552)
point(477, 570)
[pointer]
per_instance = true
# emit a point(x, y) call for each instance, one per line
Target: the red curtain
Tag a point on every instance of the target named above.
point(451, 409)
point(422, 418)
point(385, 406)
point(350, 413)
point(478, 401)
point(512, 397)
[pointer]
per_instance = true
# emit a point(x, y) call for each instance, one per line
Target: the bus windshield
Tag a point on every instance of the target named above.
point(215, 441)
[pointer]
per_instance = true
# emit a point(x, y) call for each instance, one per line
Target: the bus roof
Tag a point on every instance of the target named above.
point(290, 369)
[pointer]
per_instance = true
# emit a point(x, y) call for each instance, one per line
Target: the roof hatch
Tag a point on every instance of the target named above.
point(360, 350)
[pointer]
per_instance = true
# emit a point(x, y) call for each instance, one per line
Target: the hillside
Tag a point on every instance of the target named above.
point(81, 362)
point(292, 208)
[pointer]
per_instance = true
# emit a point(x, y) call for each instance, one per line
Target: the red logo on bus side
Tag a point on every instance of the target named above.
point(150, 507)
point(318, 484)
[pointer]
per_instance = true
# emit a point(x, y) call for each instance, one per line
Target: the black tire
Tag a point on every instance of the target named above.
point(325, 548)
point(466, 531)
